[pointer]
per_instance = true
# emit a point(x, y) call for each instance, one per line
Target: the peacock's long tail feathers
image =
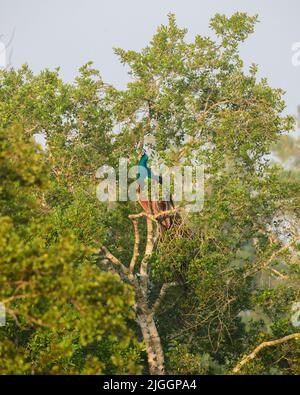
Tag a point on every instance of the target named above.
point(155, 207)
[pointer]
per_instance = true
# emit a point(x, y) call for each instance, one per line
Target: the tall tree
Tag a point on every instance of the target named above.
point(198, 105)
point(212, 290)
point(63, 314)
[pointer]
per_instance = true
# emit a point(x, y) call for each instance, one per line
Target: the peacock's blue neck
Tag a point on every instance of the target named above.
point(148, 173)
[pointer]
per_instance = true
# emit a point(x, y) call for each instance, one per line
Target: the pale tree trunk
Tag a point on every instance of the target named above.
point(145, 319)
point(153, 344)
point(140, 281)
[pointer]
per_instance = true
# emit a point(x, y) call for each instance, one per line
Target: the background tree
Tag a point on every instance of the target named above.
point(63, 314)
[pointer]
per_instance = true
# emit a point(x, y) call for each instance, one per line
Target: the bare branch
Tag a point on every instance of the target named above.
point(110, 267)
point(156, 216)
point(114, 260)
point(263, 345)
point(147, 255)
point(278, 274)
point(161, 295)
point(136, 245)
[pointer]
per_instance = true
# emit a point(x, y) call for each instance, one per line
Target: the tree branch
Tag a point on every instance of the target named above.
point(147, 255)
point(114, 260)
point(266, 264)
point(136, 245)
point(278, 252)
point(253, 354)
point(156, 216)
point(161, 295)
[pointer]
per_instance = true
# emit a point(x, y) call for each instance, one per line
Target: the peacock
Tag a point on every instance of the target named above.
point(149, 205)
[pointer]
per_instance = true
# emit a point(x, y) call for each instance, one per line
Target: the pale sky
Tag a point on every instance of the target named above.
point(68, 33)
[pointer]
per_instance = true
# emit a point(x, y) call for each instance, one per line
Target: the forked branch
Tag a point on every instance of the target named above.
point(140, 282)
point(156, 216)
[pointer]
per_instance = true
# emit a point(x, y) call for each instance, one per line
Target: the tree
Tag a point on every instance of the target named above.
point(198, 105)
point(215, 287)
point(63, 314)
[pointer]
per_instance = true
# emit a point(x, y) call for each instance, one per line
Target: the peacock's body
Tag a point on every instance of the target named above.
point(149, 205)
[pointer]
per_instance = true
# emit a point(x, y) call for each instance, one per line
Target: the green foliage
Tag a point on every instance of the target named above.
point(186, 362)
point(199, 105)
point(62, 310)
